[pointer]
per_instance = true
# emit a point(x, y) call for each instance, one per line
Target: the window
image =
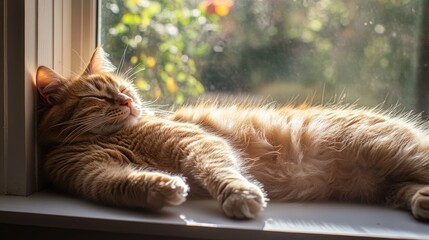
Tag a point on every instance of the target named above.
point(60, 33)
point(352, 52)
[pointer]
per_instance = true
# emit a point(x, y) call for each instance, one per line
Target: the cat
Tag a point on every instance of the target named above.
point(102, 142)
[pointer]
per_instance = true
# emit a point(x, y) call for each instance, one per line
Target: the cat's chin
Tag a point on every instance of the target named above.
point(127, 122)
point(129, 116)
point(135, 112)
point(131, 120)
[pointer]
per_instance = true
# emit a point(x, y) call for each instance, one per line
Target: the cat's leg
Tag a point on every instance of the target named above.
point(215, 165)
point(208, 160)
point(98, 177)
point(411, 196)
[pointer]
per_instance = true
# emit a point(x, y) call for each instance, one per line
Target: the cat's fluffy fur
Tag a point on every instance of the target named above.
point(102, 143)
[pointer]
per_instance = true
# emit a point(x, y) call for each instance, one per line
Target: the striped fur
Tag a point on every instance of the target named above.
point(103, 143)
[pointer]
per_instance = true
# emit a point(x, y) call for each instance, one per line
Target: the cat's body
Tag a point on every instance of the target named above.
point(320, 153)
point(230, 152)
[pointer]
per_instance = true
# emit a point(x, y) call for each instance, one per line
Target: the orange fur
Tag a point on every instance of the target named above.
point(104, 144)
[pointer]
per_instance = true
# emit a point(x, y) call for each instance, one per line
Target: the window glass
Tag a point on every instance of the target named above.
point(348, 51)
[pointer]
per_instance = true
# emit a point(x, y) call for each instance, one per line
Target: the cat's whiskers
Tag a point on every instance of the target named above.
point(155, 108)
point(127, 73)
point(121, 62)
point(77, 120)
point(79, 125)
point(76, 128)
point(85, 63)
point(81, 129)
point(71, 129)
point(71, 136)
point(132, 76)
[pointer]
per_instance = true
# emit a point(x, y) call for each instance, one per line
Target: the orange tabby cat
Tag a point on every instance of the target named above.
point(103, 143)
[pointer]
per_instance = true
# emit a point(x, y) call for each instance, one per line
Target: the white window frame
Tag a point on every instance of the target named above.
point(54, 33)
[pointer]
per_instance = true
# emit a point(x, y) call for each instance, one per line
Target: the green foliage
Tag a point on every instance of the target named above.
point(279, 48)
point(164, 38)
point(363, 48)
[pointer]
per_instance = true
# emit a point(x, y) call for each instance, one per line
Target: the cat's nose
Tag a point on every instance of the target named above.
point(125, 100)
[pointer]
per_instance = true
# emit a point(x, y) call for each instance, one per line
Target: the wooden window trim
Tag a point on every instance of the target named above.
point(54, 33)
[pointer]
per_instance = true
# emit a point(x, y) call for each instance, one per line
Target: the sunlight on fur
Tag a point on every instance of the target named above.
point(102, 142)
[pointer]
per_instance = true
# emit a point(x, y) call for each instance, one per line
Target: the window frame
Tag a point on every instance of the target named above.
point(54, 33)
point(18, 97)
point(2, 126)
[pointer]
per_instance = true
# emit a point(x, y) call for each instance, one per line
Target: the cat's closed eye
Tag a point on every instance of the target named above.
point(123, 89)
point(103, 98)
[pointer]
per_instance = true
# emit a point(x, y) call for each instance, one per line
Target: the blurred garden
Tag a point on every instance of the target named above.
point(349, 51)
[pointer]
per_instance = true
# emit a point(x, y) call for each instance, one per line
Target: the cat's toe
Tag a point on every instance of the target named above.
point(178, 191)
point(420, 204)
point(170, 191)
point(244, 201)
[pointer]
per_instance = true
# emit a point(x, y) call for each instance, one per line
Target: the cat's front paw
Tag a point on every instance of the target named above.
point(420, 204)
point(242, 200)
point(167, 191)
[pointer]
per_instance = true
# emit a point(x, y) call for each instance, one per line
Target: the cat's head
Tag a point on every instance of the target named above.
point(97, 102)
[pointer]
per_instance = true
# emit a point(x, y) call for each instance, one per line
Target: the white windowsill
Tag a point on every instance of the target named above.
point(203, 219)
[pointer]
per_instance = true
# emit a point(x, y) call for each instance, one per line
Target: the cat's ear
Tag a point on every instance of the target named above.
point(99, 63)
point(50, 85)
